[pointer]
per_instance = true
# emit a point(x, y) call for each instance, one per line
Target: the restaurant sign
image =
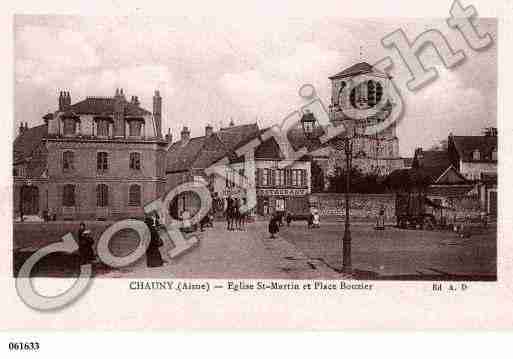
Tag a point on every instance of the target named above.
point(291, 192)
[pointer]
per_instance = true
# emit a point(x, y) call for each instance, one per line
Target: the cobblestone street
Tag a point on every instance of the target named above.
point(236, 254)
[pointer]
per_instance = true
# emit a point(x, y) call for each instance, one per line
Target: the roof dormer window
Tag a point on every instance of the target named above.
point(135, 126)
point(476, 155)
point(69, 126)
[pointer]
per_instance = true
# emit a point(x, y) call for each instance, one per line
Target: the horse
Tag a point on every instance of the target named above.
point(230, 213)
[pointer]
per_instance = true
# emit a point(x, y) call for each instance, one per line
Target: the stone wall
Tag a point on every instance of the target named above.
point(363, 206)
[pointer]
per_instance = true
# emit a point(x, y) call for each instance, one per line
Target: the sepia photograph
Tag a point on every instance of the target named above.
point(179, 147)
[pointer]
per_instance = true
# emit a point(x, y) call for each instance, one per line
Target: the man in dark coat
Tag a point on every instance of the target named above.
point(85, 245)
point(273, 225)
point(153, 257)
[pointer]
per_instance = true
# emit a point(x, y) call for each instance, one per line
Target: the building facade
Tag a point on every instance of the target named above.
point(475, 157)
point(100, 158)
point(275, 187)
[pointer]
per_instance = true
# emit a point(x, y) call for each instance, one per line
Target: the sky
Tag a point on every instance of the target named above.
point(210, 70)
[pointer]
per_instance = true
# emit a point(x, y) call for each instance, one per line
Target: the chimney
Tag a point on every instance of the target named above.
point(64, 100)
point(119, 114)
point(209, 130)
point(418, 158)
point(231, 122)
point(22, 128)
point(135, 100)
point(68, 101)
point(157, 113)
point(61, 101)
point(169, 136)
point(186, 134)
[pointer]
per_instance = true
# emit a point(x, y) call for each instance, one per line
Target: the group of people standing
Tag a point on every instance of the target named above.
point(153, 257)
point(235, 218)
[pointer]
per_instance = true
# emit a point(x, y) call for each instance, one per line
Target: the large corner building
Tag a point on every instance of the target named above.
point(99, 158)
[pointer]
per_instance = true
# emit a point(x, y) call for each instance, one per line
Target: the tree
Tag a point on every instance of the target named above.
point(360, 182)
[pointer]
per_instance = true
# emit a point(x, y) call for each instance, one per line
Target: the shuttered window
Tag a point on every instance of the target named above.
point(102, 161)
point(68, 158)
point(134, 195)
point(135, 161)
point(102, 195)
point(68, 195)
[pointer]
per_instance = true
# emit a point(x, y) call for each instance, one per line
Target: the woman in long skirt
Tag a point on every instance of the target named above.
point(153, 257)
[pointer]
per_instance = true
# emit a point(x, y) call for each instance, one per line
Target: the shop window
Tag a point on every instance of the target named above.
point(134, 195)
point(68, 159)
point(102, 161)
point(135, 161)
point(68, 195)
point(102, 195)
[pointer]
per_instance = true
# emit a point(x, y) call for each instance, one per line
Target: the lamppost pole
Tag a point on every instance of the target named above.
point(346, 241)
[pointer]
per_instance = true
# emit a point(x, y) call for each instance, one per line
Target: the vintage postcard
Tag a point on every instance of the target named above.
point(315, 163)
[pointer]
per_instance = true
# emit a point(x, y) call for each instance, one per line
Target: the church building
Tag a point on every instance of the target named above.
point(372, 154)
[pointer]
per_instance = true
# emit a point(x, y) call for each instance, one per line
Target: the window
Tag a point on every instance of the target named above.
point(69, 126)
point(494, 155)
point(280, 178)
point(476, 156)
point(68, 195)
point(134, 195)
point(102, 159)
point(266, 177)
point(103, 128)
point(241, 176)
point(68, 158)
point(134, 128)
point(102, 195)
point(230, 178)
point(135, 161)
point(296, 178)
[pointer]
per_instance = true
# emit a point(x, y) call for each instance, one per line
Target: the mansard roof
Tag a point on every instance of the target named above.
point(105, 106)
point(466, 145)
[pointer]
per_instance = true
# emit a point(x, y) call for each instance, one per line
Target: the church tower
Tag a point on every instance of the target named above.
point(361, 89)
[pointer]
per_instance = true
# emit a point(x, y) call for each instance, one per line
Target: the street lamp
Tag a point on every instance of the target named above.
point(309, 124)
point(354, 129)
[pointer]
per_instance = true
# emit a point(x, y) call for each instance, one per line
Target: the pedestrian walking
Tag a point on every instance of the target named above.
point(85, 245)
point(316, 220)
point(380, 221)
point(273, 225)
point(153, 257)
